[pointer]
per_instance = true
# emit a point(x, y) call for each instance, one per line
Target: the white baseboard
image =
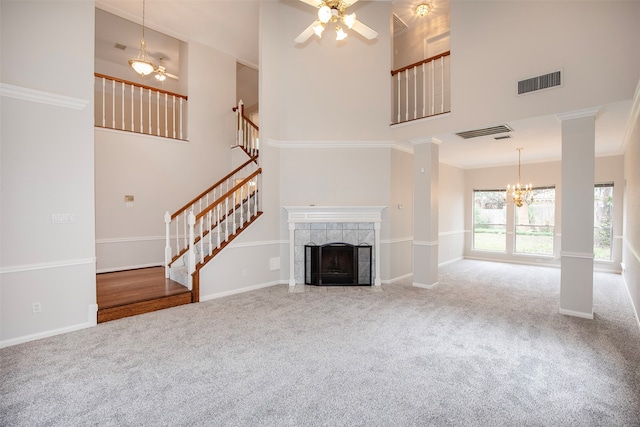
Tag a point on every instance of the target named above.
point(238, 291)
point(422, 285)
point(451, 261)
point(46, 334)
point(397, 279)
point(577, 314)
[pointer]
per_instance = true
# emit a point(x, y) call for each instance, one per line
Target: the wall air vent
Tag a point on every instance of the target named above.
point(498, 138)
point(120, 46)
point(398, 24)
point(484, 132)
point(541, 82)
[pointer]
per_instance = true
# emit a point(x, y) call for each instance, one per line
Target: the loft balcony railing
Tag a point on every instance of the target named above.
point(132, 107)
point(422, 89)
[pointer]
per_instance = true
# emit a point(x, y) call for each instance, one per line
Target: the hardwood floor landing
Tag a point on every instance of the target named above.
point(127, 293)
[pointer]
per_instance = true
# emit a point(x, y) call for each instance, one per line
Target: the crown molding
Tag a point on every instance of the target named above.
point(42, 97)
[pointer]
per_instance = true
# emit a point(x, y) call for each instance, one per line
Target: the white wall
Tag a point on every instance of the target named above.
point(163, 174)
point(607, 169)
point(631, 244)
point(47, 168)
point(451, 213)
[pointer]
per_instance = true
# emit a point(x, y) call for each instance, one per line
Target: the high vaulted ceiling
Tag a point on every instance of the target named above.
point(231, 26)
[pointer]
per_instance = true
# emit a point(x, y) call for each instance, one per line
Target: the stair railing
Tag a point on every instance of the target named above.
point(177, 225)
point(133, 107)
point(421, 89)
point(246, 131)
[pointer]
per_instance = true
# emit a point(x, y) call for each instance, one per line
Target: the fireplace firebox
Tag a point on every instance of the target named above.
point(337, 264)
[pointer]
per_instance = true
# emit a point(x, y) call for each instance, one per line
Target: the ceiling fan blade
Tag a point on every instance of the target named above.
point(349, 2)
point(173, 76)
point(365, 31)
point(314, 3)
point(304, 36)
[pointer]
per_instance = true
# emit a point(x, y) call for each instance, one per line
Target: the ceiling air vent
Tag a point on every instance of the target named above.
point(120, 46)
point(398, 24)
point(541, 82)
point(484, 132)
point(498, 138)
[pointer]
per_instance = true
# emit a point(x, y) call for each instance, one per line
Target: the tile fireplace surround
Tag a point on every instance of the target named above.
point(330, 224)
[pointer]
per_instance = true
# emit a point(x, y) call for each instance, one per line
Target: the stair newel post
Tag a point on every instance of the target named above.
point(191, 253)
point(167, 247)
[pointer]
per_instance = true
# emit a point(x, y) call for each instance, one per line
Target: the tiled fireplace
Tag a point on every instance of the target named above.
point(320, 225)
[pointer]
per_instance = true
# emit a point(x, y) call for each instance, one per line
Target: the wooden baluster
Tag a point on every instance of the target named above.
point(399, 90)
point(158, 113)
point(122, 85)
point(218, 226)
point(201, 242)
point(191, 253)
point(406, 101)
point(234, 199)
point(181, 125)
point(442, 84)
point(177, 219)
point(113, 104)
point(415, 92)
point(226, 220)
point(141, 111)
point(150, 125)
point(186, 236)
point(173, 115)
point(133, 114)
point(166, 122)
point(104, 95)
point(433, 89)
point(210, 231)
point(424, 90)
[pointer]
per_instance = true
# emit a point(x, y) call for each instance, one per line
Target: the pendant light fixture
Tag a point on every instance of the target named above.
point(520, 194)
point(142, 64)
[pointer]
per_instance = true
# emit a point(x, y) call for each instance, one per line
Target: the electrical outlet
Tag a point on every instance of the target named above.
point(37, 307)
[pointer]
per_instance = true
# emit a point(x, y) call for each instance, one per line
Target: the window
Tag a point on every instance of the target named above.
point(535, 223)
point(489, 220)
point(602, 228)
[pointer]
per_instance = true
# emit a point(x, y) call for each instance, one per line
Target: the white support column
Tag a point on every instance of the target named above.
point(578, 177)
point(425, 217)
point(292, 248)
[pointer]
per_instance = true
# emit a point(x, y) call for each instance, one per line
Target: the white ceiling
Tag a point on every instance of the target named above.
point(231, 26)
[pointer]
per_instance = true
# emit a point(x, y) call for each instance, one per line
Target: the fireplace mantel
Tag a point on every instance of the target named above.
point(330, 214)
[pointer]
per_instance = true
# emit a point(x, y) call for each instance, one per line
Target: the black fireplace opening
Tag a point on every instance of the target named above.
point(337, 264)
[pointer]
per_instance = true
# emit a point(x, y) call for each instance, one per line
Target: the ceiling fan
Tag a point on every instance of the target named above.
point(334, 11)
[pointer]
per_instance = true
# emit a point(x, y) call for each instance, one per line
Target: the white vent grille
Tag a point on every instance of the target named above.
point(545, 81)
point(484, 132)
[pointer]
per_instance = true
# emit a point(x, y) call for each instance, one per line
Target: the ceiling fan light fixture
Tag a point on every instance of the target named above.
point(324, 14)
point(349, 20)
point(318, 29)
point(422, 9)
point(340, 34)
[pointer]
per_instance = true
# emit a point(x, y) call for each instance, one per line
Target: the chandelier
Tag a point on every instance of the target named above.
point(142, 64)
point(520, 194)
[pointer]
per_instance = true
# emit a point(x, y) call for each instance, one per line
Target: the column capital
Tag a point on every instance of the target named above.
point(579, 114)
